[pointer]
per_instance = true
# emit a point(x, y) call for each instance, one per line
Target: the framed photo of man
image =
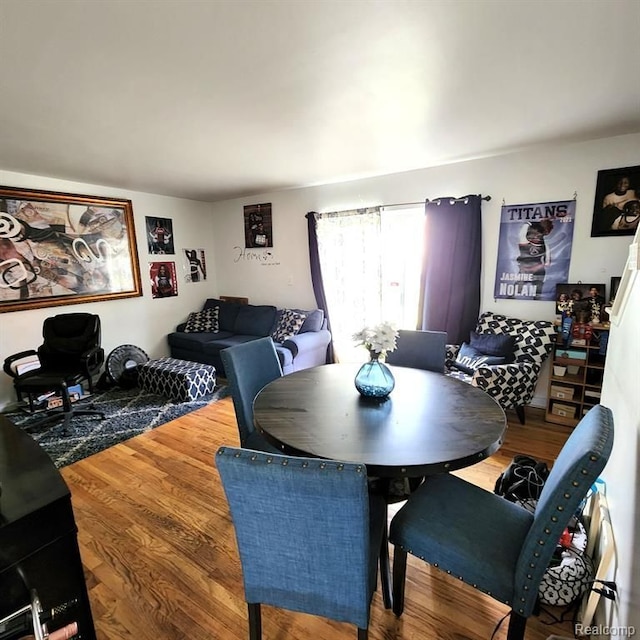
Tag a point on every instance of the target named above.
point(616, 210)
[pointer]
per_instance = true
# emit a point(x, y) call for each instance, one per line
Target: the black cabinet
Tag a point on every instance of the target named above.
point(39, 552)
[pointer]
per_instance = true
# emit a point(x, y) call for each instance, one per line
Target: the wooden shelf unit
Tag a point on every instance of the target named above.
point(571, 395)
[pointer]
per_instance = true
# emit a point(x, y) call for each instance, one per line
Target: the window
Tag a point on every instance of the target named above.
point(371, 262)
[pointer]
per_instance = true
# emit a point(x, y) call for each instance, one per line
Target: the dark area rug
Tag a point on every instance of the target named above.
point(128, 413)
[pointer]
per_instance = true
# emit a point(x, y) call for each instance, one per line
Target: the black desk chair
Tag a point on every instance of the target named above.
point(70, 354)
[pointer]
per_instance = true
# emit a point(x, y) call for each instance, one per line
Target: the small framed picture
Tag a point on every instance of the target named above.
point(613, 289)
point(616, 210)
point(584, 302)
point(164, 282)
point(258, 233)
point(159, 235)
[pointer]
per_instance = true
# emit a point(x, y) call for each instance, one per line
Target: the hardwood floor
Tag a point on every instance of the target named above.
point(161, 560)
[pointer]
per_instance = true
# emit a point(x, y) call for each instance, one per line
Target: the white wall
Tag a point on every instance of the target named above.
point(141, 321)
point(281, 275)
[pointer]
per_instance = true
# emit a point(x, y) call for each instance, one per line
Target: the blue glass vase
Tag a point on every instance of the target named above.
point(374, 379)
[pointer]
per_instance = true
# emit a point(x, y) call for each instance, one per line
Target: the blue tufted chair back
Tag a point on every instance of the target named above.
point(420, 350)
point(307, 531)
point(249, 367)
point(582, 459)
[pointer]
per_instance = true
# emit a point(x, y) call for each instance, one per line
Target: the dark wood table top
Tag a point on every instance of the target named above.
point(430, 423)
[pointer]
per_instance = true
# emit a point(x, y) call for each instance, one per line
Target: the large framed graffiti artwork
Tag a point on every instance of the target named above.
point(61, 248)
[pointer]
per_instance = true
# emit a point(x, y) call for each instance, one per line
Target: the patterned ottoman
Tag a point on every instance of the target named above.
point(180, 380)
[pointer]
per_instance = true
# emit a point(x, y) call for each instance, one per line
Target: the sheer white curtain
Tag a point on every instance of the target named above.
point(349, 246)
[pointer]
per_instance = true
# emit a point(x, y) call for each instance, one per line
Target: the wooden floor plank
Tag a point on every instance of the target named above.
point(161, 560)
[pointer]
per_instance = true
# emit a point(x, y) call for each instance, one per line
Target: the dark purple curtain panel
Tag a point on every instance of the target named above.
point(316, 275)
point(452, 264)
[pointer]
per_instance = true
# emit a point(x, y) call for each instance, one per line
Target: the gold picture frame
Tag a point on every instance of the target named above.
point(63, 248)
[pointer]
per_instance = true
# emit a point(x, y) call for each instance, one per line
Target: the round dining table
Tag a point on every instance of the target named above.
point(430, 423)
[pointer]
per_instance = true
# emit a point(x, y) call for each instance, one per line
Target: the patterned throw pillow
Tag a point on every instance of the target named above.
point(289, 324)
point(470, 359)
point(203, 321)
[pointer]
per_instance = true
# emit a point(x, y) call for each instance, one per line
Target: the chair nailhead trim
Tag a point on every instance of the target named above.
point(340, 467)
point(269, 460)
point(236, 455)
point(567, 495)
point(593, 458)
point(526, 587)
point(575, 483)
point(560, 507)
point(583, 472)
point(285, 463)
point(529, 576)
point(541, 543)
point(547, 530)
point(554, 518)
point(305, 465)
point(532, 564)
point(537, 554)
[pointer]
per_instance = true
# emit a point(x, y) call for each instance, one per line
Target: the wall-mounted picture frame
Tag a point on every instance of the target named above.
point(194, 265)
point(164, 281)
point(258, 232)
point(613, 287)
point(63, 248)
point(159, 235)
point(583, 302)
point(616, 210)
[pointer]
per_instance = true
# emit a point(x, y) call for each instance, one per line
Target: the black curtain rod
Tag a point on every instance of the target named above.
point(427, 201)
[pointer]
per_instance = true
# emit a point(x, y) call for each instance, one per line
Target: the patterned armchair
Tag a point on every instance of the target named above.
point(512, 385)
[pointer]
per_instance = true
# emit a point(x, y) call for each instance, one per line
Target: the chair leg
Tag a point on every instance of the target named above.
point(385, 570)
point(517, 625)
point(399, 573)
point(255, 621)
point(363, 634)
point(520, 413)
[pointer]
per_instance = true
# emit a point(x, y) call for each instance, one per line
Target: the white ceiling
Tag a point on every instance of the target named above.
point(214, 99)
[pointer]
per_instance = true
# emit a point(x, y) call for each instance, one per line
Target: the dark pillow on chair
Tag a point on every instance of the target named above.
point(469, 359)
point(492, 344)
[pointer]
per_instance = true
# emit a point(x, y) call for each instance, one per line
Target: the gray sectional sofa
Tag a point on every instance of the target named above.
point(301, 337)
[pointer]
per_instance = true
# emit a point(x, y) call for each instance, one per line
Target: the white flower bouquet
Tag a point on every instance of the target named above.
point(378, 340)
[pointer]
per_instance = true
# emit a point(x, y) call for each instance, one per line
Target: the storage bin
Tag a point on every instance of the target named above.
point(573, 369)
point(560, 392)
point(563, 410)
point(559, 370)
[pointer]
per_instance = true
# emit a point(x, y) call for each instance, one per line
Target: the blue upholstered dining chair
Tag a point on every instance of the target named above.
point(308, 533)
point(249, 367)
point(420, 350)
point(490, 543)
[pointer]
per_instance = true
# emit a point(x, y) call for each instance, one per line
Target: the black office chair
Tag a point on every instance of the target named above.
point(70, 354)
